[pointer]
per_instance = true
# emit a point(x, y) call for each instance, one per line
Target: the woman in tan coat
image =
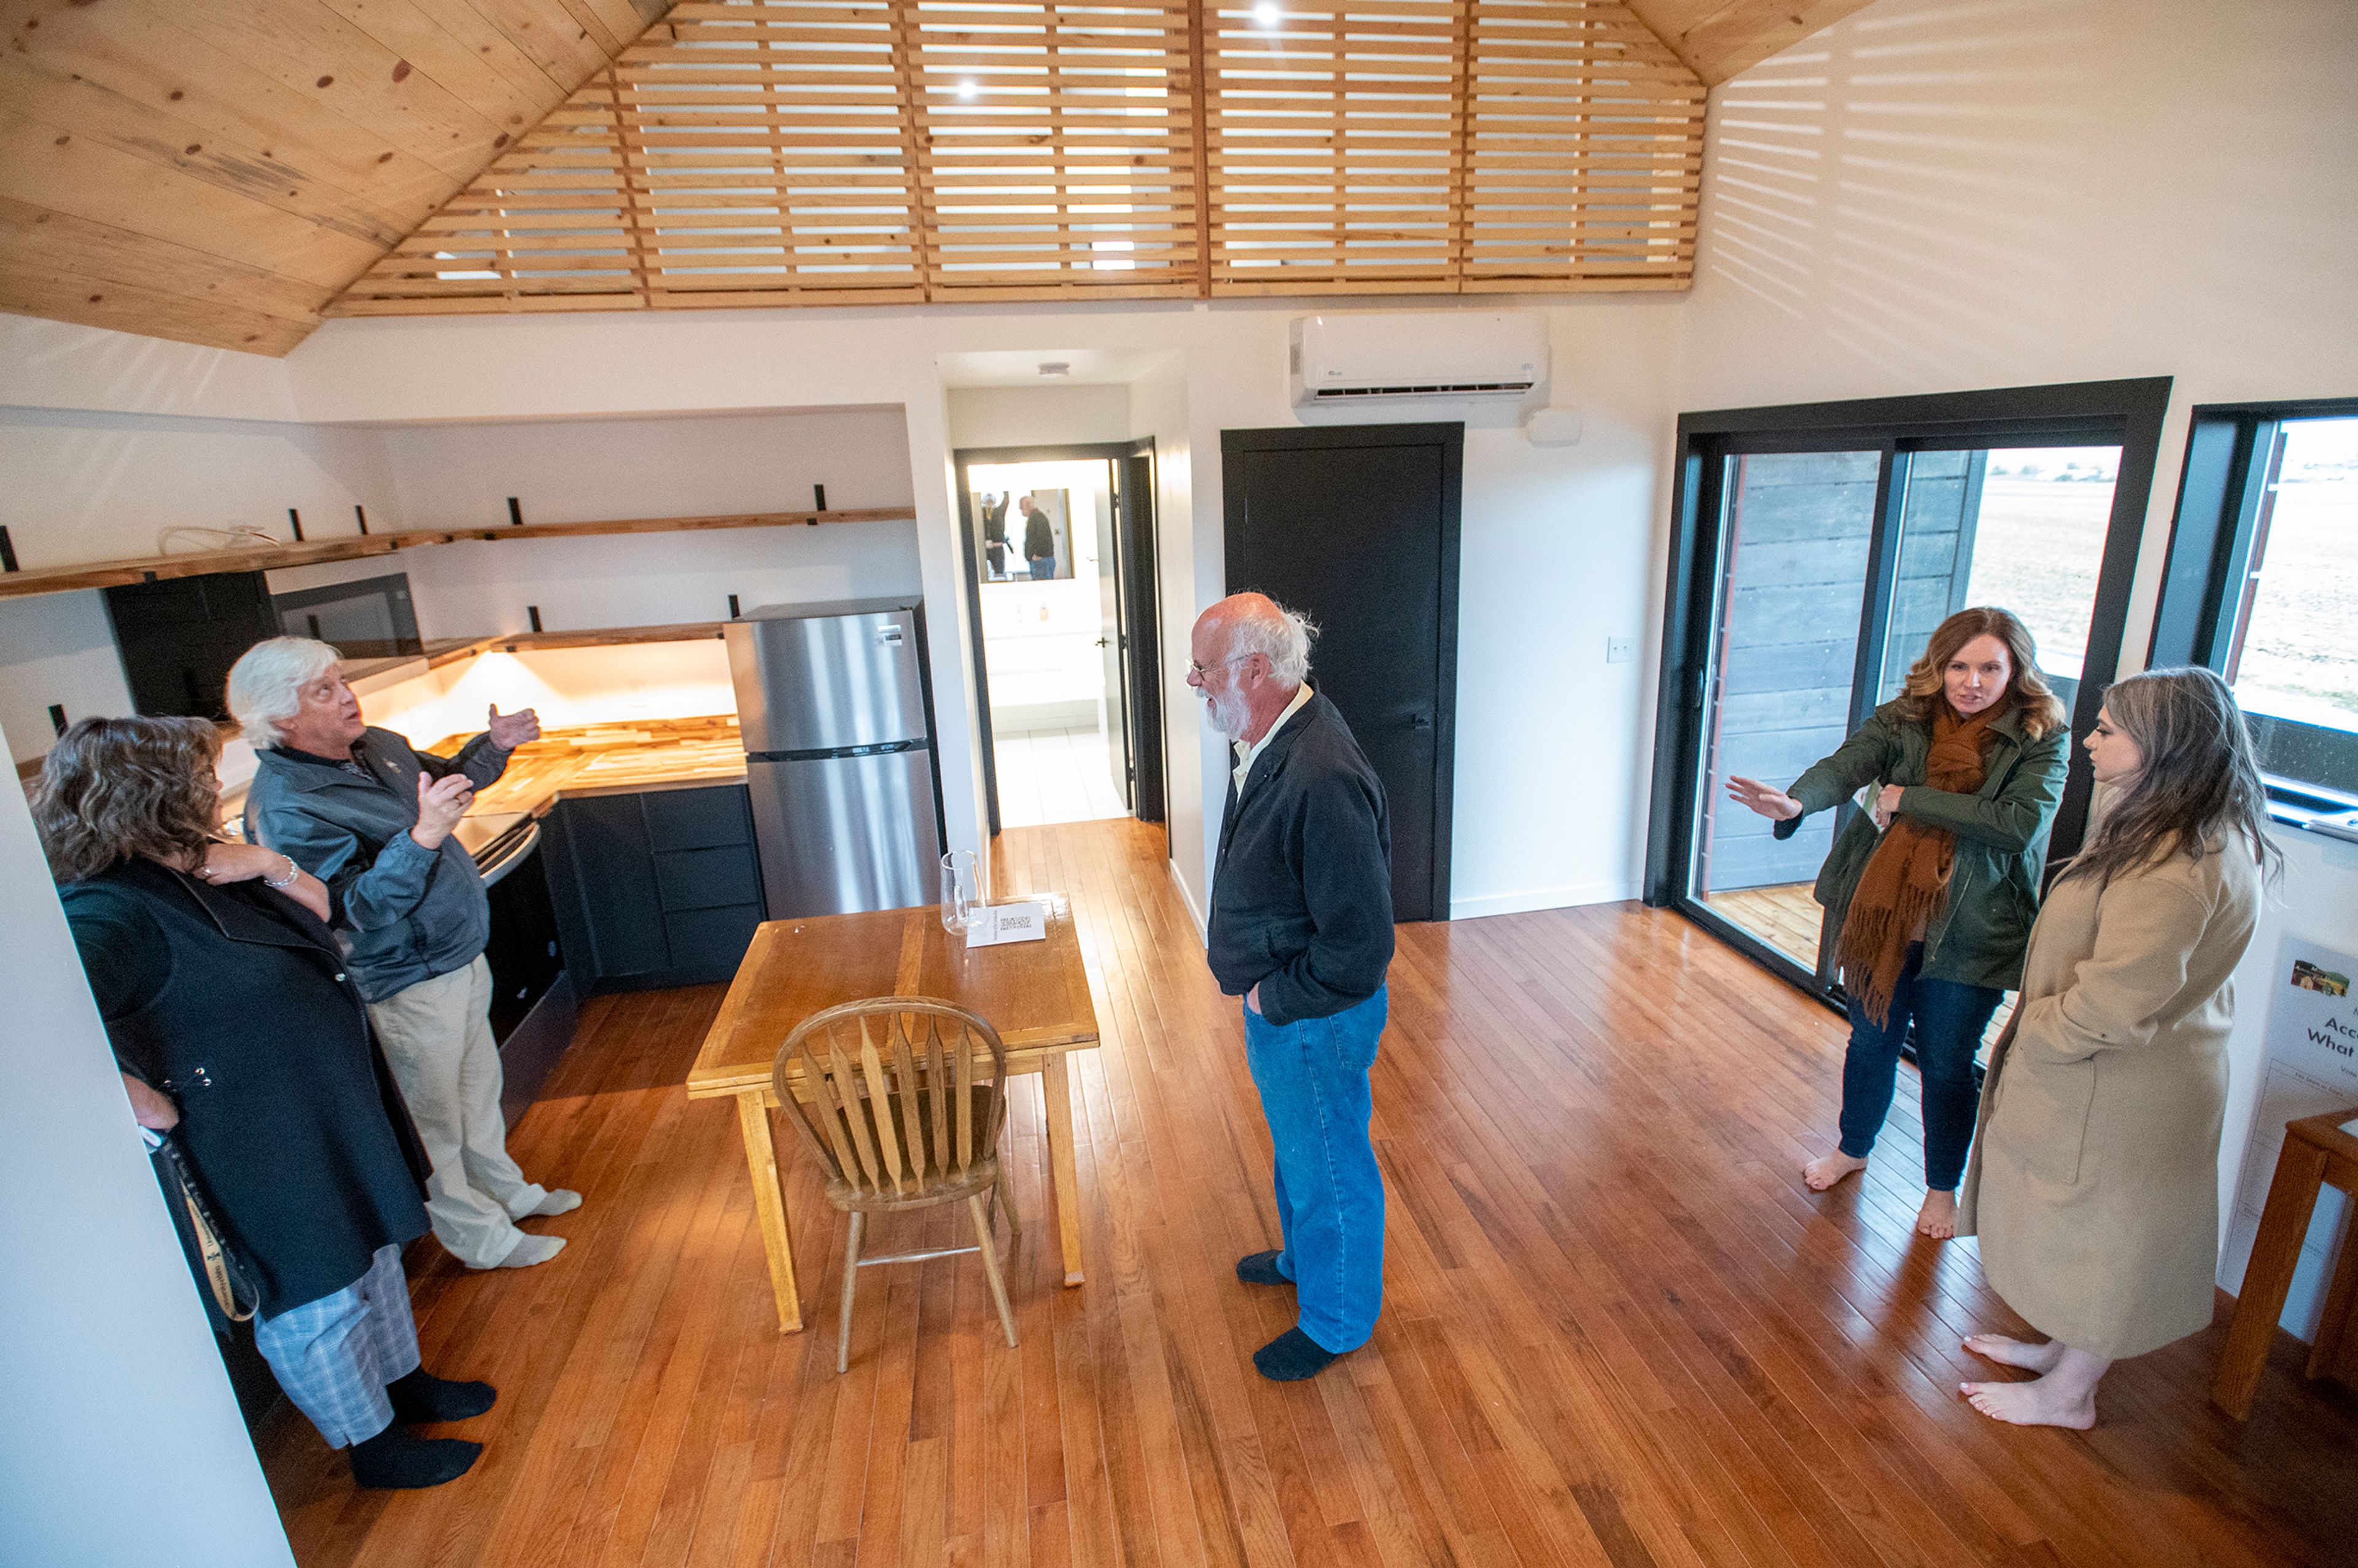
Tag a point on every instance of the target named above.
point(2095, 1182)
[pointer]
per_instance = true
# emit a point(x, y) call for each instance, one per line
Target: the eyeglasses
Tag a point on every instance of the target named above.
point(1199, 669)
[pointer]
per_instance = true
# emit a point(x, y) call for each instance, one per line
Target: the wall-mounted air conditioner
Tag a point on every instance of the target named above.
point(1424, 353)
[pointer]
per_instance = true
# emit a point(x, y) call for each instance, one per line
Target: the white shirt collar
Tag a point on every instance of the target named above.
point(1250, 754)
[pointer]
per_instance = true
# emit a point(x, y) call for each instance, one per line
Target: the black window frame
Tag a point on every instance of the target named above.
point(2208, 563)
point(2128, 414)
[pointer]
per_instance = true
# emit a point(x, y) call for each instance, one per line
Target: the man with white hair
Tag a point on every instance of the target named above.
point(1301, 929)
point(359, 810)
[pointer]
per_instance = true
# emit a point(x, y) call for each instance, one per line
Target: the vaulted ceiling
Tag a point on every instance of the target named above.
point(223, 171)
point(217, 170)
point(1718, 39)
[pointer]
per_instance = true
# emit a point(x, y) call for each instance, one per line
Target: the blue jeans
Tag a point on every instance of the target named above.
point(1043, 569)
point(1312, 1078)
point(1950, 1018)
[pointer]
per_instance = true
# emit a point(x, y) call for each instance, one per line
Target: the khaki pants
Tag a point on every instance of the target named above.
point(437, 1037)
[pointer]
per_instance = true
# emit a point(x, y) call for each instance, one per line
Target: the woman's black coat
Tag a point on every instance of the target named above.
point(233, 1000)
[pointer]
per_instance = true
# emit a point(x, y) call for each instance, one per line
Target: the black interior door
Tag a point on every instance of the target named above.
point(1357, 527)
point(1139, 630)
point(1111, 641)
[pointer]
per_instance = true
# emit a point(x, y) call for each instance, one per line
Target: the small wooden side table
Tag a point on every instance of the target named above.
point(2315, 1151)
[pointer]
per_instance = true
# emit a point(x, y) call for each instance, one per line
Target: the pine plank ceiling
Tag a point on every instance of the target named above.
point(1717, 38)
point(219, 171)
point(216, 171)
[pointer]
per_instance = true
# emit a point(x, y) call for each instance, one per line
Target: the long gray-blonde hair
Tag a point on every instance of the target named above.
point(2200, 780)
point(112, 788)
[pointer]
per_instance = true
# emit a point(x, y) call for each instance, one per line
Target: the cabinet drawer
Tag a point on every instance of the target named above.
point(697, 818)
point(707, 878)
point(708, 945)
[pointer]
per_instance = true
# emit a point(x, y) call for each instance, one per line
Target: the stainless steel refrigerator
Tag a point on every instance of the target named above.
point(839, 754)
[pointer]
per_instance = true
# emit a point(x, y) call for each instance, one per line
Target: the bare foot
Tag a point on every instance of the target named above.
point(2039, 1402)
point(1937, 1218)
point(1827, 1169)
point(1997, 1347)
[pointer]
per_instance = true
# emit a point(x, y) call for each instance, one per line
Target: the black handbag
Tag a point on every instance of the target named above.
point(233, 1287)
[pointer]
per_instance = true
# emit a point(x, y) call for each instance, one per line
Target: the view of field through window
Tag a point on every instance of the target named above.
point(2041, 541)
point(2298, 655)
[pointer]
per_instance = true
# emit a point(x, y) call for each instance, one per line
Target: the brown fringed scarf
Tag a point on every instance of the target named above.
point(1907, 877)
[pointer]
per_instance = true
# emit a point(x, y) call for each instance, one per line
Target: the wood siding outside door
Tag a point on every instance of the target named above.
point(1357, 527)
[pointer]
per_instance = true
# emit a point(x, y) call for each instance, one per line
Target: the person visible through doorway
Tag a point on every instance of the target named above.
point(994, 534)
point(1301, 929)
point(1039, 540)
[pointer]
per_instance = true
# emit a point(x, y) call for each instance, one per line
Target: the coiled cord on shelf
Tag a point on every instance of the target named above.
point(195, 539)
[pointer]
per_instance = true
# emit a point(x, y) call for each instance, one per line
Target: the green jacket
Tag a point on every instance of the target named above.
point(1978, 935)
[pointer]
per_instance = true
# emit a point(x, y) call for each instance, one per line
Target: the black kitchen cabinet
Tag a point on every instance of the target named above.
point(662, 887)
point(179, 636)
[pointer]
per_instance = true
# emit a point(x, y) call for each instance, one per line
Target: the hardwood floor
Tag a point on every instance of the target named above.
point(1618, 1330)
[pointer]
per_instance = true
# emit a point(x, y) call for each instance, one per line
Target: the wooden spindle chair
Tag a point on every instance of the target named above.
point(891, 1102)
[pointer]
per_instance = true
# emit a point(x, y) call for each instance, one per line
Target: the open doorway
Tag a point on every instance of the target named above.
point(1061, 583)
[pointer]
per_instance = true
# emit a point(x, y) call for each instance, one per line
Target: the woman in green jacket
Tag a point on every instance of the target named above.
point(1930, 894)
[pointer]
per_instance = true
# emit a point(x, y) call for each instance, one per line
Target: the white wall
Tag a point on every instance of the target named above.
point(1047, 414)
point(122, 1444)
point(1158, 412)
point(1931, 197)
point(56, 648)
point(88, 485)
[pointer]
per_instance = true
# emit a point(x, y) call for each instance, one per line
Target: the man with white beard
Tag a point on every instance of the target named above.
point(1301, 929)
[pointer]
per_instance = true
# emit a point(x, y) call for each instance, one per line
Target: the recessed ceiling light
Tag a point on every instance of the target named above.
point(1268, 15)
point(966, 90)
point(1056, 367)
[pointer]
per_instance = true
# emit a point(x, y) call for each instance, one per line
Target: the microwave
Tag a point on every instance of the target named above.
point(368, 619)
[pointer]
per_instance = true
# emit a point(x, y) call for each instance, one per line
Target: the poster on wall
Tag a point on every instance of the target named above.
point(2311, 1067)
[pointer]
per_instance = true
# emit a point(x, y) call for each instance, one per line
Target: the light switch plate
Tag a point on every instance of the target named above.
point(1620, 650)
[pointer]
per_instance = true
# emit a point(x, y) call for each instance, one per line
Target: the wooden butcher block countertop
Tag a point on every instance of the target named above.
point(613, 758)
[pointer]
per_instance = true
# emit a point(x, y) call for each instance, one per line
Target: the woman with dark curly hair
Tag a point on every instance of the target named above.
point(2094, 1187)
point(226, 997)
point(1930, 894)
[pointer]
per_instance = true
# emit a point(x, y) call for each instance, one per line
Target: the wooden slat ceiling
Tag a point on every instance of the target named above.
point(756, 152)
point(227, 172)
point(217, 171)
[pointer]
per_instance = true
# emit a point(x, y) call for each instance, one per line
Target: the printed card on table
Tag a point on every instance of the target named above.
point(996, 922)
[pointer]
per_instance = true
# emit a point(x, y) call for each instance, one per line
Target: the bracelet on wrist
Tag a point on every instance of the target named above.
point(280, 884)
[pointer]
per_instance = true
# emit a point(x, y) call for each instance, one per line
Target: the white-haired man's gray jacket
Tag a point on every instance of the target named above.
point(410, 913)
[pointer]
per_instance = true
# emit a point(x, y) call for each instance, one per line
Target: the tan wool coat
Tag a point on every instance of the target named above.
point(2094, 1181)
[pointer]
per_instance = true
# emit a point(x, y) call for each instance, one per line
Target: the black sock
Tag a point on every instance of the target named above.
point(418, 1396)
point(1291, 1356)
point(398, 1459)
point(1261, 1269)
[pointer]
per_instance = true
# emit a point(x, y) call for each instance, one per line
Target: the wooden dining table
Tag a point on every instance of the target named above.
point(1035, 994)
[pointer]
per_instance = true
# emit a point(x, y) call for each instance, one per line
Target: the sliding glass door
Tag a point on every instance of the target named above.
point(1815, 556)
point(1793, 559)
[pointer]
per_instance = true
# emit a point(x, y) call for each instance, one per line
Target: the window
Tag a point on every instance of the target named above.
point(2262, 586)
point(1814, 550)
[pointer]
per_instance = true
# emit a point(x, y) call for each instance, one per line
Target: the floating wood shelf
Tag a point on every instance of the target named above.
point(354, 547)
point(438, 653)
